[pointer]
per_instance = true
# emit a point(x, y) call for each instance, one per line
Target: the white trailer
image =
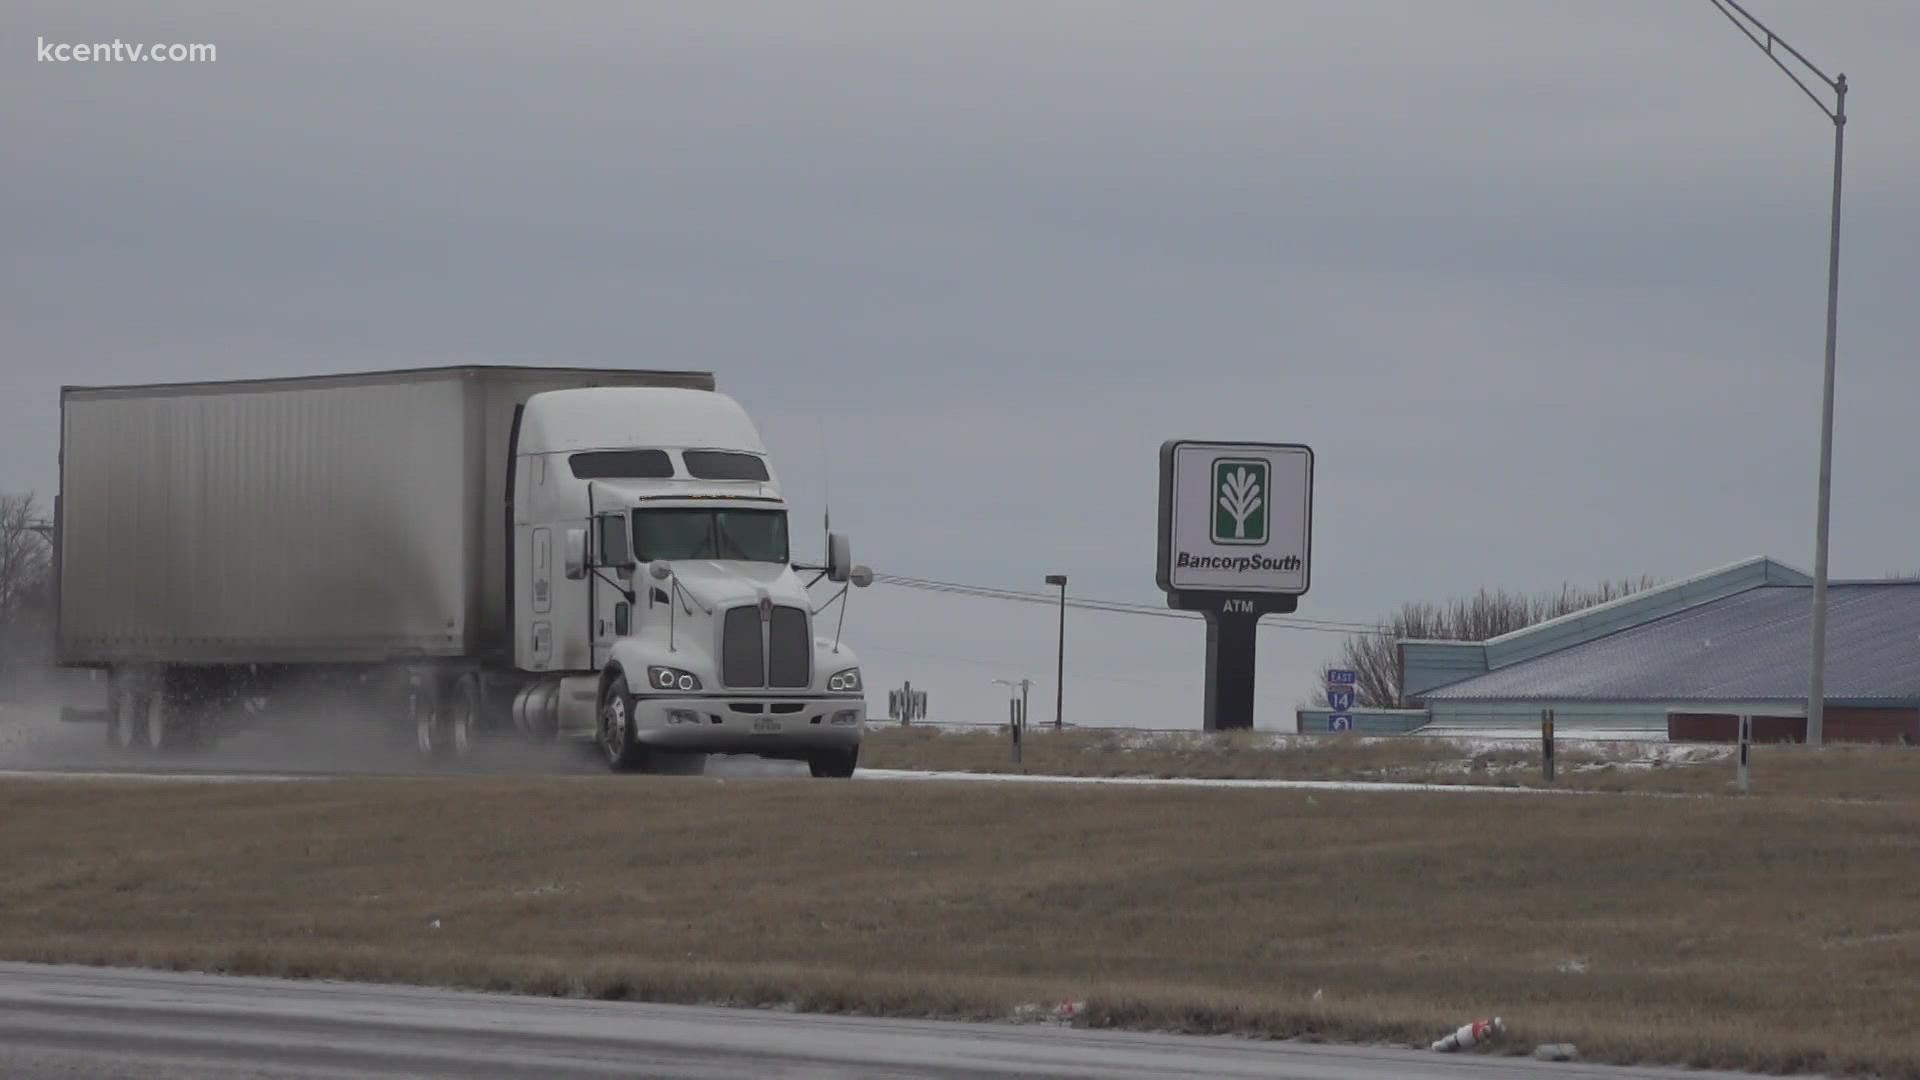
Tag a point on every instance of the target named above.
point(594, 554)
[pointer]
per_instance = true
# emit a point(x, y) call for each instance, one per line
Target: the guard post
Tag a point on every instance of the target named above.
point(1016, 720)
point(1546, 744)
point(1746, 749)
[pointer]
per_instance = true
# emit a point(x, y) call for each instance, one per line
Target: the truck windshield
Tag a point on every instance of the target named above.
point(745, 535)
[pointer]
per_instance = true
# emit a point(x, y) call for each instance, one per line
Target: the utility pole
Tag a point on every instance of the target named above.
point(1766, 39)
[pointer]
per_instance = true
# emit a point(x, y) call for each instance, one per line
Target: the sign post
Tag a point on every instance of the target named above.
point(907, 704)
point(1236, 526)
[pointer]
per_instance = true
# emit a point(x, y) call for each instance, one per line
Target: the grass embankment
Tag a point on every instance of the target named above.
point(1777, 933)
point(1840, 772)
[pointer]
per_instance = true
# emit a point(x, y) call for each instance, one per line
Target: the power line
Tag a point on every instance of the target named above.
point(1106, 605)
point(1097, 678)
point(1116, 607)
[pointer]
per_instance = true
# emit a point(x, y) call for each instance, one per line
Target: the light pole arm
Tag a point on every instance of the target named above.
point(1766, 39)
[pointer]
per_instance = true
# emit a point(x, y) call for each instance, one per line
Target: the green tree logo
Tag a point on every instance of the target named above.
point(1240, 501)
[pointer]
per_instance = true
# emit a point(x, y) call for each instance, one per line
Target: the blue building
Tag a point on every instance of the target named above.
point(1683, 660)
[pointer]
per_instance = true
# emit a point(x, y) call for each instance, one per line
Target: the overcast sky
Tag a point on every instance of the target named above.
point(1541, 282)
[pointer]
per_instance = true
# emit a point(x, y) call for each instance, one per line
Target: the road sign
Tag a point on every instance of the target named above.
point(907, 704)
point(1339, 722)
point(1235, 539)
point(1340, 700)
point(1340, 677)
point(1235, 518)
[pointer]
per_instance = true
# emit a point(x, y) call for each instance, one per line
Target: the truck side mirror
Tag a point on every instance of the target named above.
point(659, 569)
point(839, 557)
point(861, 577)
point(575, 552)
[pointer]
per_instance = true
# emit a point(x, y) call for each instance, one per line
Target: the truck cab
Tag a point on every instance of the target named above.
point(657, 605)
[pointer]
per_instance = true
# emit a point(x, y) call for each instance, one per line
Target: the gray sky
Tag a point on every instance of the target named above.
point(1542, 282)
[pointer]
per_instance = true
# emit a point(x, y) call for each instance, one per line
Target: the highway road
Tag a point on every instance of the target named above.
point(70, 1022)
point(32, 742)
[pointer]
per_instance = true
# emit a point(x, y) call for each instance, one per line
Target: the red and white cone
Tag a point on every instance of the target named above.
point(1471, 1035)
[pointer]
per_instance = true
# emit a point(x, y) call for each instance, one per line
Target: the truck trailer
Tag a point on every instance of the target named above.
point(562, 553)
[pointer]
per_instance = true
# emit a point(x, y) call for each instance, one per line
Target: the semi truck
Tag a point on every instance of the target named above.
point(598, 555)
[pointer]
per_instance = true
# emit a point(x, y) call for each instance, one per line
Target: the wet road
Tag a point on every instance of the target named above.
point(70, 1022)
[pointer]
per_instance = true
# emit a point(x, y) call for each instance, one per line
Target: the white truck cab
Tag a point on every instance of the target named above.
point(656, 602)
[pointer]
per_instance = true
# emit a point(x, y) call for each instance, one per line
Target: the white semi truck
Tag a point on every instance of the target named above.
point(599, 555)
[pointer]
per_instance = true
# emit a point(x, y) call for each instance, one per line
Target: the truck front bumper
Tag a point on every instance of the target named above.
point(770, 726)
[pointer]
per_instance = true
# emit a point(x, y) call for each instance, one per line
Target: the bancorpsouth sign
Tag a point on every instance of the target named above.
point(1235, 517)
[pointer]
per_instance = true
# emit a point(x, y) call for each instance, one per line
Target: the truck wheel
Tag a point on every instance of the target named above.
point(123, 719)
point(463, 715)
point(623, 751)
point(444, 721)
point(161, 729)
point(837, 764)
point(424, 709)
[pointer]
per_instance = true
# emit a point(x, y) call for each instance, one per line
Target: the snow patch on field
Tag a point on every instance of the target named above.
point(1153, 781)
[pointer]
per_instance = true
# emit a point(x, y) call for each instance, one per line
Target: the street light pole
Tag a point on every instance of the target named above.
point(1060, 656)
point(1766, 40)
point(1816, 686)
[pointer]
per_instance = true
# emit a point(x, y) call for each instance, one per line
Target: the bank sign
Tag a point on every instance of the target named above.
point(1235, 517)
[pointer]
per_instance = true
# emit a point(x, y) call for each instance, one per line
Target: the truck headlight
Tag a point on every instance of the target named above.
point(844, 681)
point(669, 678)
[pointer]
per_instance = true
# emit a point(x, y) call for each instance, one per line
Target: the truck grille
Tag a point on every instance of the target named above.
point(742, 661)
point(790, 658)
point(777, 653)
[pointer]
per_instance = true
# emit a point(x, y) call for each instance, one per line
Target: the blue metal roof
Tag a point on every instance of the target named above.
point(1751, 646)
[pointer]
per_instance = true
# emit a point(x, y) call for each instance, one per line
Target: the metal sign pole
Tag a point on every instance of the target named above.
point(1231, 645)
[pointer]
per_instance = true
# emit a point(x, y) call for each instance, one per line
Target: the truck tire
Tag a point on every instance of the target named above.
point(445, 719)
point(162, 728)
point(126, 717)
point(463, 715)
point(623, 751)
point(834, 764)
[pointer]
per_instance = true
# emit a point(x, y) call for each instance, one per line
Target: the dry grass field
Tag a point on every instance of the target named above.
point(1839, 772)
point(1774, 933)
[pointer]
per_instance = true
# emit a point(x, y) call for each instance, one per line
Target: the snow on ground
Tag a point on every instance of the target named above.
point(1152, 781)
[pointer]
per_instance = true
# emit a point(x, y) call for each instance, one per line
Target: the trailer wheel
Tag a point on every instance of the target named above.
point(444, 721)
point(123, 719)
point(170, 723)
point(160, 730)
point(423, 708)
point(835, 764)
point(623, 751)
point(463, 715)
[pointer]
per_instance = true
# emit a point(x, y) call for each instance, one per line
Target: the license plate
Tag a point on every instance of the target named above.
point(767, 725)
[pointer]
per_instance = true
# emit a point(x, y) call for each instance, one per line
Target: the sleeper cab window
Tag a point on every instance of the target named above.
point(724, 465)
point(621, 465)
